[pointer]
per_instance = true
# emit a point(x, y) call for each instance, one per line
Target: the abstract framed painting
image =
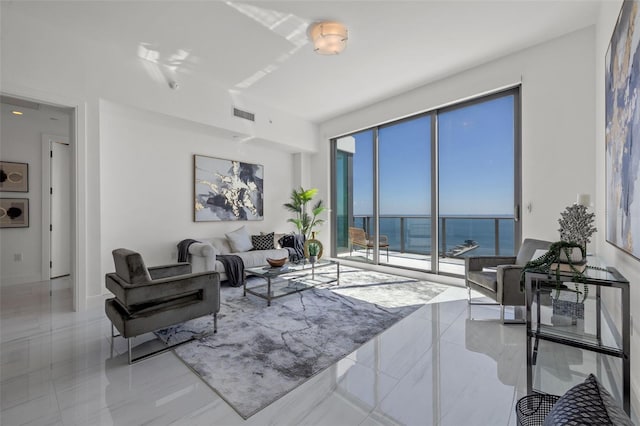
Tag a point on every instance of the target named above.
point(227, 190)
point(622, 132)
point(14, 177)
point(14, 212)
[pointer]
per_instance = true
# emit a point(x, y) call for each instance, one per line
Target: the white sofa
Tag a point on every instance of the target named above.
point(203, 255)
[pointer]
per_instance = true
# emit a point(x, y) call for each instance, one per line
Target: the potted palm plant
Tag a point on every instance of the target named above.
point(305, 220)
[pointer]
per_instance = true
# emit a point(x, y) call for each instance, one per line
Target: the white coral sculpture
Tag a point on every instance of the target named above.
point(576, 225)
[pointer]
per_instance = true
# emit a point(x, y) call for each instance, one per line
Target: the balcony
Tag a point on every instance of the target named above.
point(410, 240)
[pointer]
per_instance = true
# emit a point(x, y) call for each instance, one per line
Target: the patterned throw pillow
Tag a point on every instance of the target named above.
point(262, 242)
point(587, 403)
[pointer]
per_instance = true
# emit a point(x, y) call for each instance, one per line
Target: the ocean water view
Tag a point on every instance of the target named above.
point(391, 170)
point(412, 234)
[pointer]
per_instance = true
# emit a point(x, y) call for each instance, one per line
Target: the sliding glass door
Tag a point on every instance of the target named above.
point(476, 180)
point(354, 195)
point(404, 159)
point(426, 191)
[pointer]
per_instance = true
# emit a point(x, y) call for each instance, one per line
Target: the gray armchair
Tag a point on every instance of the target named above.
point(498, 277)
point(148, 299)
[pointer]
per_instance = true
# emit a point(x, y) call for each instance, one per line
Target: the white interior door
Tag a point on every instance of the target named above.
point(60, 207)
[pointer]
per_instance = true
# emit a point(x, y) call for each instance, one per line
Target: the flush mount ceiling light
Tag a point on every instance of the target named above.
point(329, 38)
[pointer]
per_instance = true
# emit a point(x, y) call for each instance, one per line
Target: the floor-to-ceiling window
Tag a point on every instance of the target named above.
point(476, 180)
point(354, 194)
point(343, 190)
point(459, 164)
point(404, 158)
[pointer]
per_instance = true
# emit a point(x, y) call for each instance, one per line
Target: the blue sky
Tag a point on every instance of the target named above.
point(476, 163)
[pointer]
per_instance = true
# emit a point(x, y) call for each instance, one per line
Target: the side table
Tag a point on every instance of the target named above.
point(537, 283)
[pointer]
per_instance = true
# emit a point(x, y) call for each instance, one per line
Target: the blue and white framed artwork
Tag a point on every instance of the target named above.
point(227, 190)
point(622, 156)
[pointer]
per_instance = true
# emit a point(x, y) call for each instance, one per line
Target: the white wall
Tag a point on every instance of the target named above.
point(626, 264)
point(21, 142)
point(557, 128)
point(44, 60)
point(146, 164)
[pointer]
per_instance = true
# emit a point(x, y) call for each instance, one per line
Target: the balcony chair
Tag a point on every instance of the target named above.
point(150, 299)
point(498, 277)
point(358, 238)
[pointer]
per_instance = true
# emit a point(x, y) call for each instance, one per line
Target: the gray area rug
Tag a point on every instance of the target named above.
point(261, 353)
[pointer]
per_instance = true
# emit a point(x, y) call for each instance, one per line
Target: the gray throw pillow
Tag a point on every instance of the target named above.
point(587, 403)
point(239, 240)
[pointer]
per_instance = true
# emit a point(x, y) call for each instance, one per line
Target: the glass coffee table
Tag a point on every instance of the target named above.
point(292, 278)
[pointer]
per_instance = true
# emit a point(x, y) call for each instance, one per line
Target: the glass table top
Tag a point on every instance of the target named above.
point(289, 268)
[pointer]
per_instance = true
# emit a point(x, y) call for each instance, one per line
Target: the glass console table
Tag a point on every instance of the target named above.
point(573, 315)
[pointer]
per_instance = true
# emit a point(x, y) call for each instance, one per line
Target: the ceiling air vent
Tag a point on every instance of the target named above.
point(244, 114)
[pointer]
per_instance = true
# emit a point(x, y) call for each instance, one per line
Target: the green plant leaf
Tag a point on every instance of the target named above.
point(297, 205)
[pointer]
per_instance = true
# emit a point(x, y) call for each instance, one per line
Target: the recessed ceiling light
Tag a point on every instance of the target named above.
point(15, 112)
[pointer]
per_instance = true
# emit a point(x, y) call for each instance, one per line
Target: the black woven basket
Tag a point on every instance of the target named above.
point(532, 409)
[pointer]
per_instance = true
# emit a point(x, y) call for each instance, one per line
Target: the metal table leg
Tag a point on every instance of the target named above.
point(268, 291)
point(528, 301)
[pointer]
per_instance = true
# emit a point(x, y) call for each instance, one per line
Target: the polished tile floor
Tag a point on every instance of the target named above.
point(435, 367)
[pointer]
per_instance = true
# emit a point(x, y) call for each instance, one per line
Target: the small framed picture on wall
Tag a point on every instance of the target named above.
point(14, 212)
point(14, 177)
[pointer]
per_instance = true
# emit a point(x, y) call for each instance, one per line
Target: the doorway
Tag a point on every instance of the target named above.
point(58, 115)
point(24, 259)
point(57, 207)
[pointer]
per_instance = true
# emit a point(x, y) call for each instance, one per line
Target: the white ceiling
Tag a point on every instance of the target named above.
point(260, 48)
